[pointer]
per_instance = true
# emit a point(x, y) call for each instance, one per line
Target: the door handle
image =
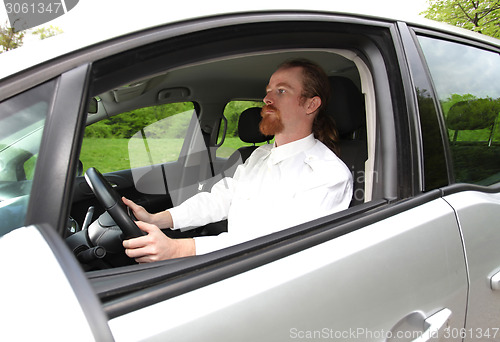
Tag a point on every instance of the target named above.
point(495, 282)
point(417, 325)
point(434, 324)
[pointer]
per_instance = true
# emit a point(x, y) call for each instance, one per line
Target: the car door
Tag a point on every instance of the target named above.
point(470, 105)
point(397, 278)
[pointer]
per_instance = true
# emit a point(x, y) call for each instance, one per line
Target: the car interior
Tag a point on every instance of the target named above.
point(209, 85)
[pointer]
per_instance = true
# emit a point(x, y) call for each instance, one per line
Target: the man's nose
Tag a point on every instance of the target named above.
point(267, 99)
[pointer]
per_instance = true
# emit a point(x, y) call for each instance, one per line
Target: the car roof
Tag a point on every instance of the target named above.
point(132, 20)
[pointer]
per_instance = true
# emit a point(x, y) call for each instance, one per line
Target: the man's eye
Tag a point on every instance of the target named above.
point(281, 91)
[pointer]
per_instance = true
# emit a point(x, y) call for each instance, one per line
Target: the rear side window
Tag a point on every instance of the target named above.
point(141, 137)
point(466, 82)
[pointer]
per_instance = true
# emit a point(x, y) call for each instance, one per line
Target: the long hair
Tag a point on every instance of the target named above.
point(315, 83)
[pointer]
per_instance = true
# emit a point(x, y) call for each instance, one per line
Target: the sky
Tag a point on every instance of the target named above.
point(110, 13)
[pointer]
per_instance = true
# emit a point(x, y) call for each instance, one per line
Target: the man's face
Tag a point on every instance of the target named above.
point(283, 106)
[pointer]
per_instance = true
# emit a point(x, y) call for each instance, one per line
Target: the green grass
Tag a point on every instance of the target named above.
point(476, 135)
point(105, 154)
point(120, 154)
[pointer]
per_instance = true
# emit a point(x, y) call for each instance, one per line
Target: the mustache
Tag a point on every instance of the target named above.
point(268, 108)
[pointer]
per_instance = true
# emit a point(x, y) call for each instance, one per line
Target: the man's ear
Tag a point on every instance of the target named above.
point(313, 104)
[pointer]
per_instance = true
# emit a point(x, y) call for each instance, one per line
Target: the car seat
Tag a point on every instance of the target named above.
point(347, 108)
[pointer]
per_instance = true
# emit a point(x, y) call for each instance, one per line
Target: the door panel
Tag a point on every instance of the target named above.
point(363, 286)
point(478, 214)
point(37, 277)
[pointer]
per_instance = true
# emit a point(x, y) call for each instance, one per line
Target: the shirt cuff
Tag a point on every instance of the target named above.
point(207, 244)
point(179, 216)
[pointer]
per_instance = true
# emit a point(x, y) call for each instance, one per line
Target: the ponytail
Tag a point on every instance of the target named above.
point(315, 83)
point(325, 130)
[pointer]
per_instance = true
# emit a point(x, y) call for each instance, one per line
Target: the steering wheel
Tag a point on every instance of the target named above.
point(112, 202)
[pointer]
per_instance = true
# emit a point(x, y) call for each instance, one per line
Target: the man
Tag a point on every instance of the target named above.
point(296, 180)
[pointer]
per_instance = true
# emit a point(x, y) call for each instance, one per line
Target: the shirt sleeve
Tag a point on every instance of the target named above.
point(332, 178)
point(336, 192)
point(324, 198)
point(339, 194)
point(204, 207)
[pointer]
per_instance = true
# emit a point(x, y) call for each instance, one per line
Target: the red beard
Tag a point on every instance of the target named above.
point(271, 123)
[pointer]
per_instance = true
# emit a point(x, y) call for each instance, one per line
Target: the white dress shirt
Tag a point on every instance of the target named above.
point(276, 188)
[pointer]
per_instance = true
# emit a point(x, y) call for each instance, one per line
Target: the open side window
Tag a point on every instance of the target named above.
point(241, 74)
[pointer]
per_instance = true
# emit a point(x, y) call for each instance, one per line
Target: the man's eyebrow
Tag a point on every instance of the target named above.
point(281, 84)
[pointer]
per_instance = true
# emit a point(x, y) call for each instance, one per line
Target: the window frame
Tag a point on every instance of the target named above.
point(118, 288)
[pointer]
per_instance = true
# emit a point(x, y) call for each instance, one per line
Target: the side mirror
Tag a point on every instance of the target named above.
point(79, 170)
point(92, 109)
point(222, 132)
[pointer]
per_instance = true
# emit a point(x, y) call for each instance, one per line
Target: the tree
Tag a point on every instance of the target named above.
point(9, 39)
point(45, 32)
point(482, 16)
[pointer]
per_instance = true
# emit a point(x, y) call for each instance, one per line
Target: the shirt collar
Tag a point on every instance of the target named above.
point(280, 153)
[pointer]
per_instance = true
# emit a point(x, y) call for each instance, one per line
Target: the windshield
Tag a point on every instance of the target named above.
point(22, 119)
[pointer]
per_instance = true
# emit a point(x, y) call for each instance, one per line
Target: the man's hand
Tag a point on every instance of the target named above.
point(139, 212)
point(162, 219)
point(157, 246)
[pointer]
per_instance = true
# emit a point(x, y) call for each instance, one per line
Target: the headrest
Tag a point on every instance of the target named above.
point(473, 114)
point(346, 106)
point(248, 126)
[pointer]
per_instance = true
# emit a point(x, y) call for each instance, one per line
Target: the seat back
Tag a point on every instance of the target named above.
point(347, 108)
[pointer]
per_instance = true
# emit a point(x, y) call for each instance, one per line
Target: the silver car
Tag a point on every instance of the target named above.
point(157, 115)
